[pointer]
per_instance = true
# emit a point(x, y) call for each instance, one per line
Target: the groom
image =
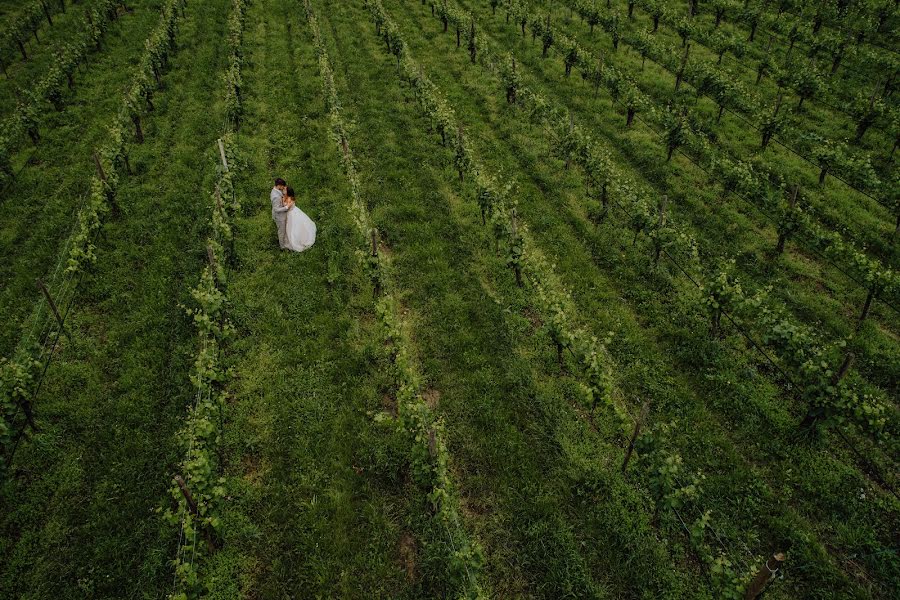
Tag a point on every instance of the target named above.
point(279, 212)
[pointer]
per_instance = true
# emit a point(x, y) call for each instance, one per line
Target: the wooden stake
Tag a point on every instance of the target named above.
point(192, 506)
point(634, 435)
point(845, 366)
point(866, 307)
point(764, 576)
point(432, 443)
point(100, 172)
point(684, 59)
point(782, 237)
point(222, 153)
point(53, 308)
point(211, 256)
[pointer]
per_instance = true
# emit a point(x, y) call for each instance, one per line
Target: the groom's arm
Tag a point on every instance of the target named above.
point(276, 203)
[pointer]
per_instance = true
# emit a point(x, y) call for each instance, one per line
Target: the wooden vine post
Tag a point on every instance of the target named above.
point(684, 59)
point(815, 412)
point(867, 305)
point(100, 172)
point(376, 280)
point(102, 175)
point(53, 307)
point(783, 235)
point(599, 76)
point(46, 8)
point(138, 131)
point(764, 576)
point(645, 408)
point(222, 154)
point(192, 507)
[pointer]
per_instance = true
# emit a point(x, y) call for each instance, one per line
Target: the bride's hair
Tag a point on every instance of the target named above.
point(290, 192)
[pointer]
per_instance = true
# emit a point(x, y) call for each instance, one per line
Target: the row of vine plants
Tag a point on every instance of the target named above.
point(738, 177)
point(858, 24)
point(812, 361)
point(673, 487)
point(51, 88)
point(25, 24)
point(834, 48)
point(416, 421)
point(21, 372)
point(831, 399)
point(707, 78)
point(198, 488)
point(869, 109)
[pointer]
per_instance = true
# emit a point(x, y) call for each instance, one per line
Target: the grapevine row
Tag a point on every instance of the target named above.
point(865, 109)
point(808, 78)
point(827, 155)
point(198, 489)
point(831, 398)
point(812, 362)
point(736, 176)
point(756, 15)
point(24, 25)
point(51, 87)
point(415, 420)
point(20, 374)
point(548, 295)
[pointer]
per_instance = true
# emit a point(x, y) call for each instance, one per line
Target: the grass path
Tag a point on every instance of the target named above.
point(79, 515)
point(316, 513)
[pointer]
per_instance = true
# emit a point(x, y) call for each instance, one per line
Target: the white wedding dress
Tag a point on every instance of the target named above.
point(301, 231)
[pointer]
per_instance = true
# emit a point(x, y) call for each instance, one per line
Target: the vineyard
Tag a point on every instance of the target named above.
point(604, 303)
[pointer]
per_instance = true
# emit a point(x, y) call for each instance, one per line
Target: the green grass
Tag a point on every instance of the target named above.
point(320, 498)
point(316, 510)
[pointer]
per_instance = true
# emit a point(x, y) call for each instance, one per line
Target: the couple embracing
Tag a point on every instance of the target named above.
point(296, 231)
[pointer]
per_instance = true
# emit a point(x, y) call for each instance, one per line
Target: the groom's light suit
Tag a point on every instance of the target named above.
point(279, 215)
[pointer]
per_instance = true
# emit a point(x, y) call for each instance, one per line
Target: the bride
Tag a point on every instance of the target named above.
point(301, 231)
